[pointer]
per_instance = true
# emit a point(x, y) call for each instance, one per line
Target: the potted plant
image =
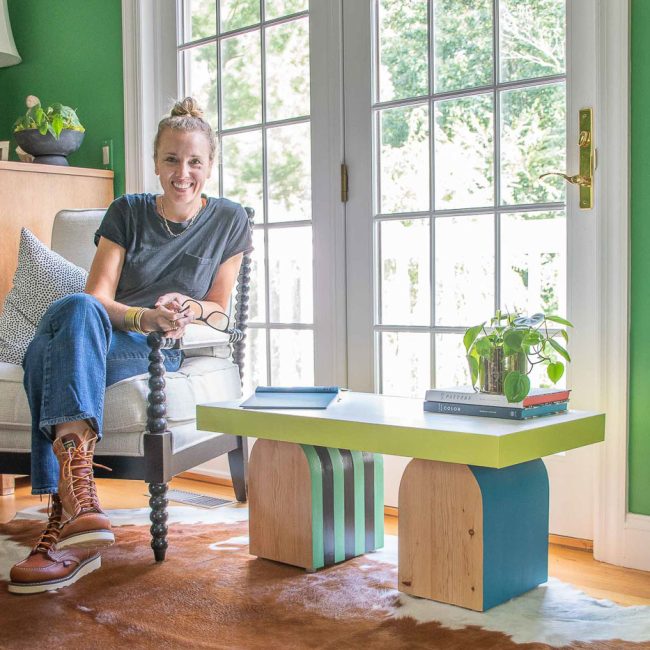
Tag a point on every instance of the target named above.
point(49, 134)
point(501, 356)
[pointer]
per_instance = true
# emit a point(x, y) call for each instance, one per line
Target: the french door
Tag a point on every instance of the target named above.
point(452, 111)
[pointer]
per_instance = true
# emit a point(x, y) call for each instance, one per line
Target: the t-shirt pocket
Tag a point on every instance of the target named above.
point(194, 275)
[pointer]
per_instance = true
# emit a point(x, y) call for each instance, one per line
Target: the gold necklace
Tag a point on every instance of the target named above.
point(163, 218)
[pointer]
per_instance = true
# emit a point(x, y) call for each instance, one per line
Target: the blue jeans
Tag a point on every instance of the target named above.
point(74, 357)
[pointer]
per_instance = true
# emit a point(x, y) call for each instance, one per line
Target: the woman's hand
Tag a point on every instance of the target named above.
point(171, 322)
point(173, 301)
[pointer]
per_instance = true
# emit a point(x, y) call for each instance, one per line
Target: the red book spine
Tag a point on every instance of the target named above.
point(535, 400)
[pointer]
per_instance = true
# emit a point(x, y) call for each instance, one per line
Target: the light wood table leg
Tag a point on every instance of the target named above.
point(472, 536)
point(314, 506)
point(7, 484)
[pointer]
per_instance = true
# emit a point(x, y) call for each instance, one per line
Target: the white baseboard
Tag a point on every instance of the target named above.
point(211, 473)
point(636, 547)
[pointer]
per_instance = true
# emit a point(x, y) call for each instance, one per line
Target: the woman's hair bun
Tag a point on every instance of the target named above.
point(187, 107)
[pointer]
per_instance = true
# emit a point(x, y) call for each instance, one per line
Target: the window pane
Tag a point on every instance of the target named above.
point(292, 357)
point(287, 70)
point(532, 38)
point(405, 363)
point(533, 262)
point(403, 49)
point(451, 365)
point(289, 172)
point(242, 170)
point(277, 8)
point(257, 295)
point(533, 140)
point(200, 65)
point(241, 80)
point(405, 287)
point(201, 19)
point(464, 152)
point(290, 275)
point(464, 270)
point(462, 44)
point(212, 185)
point(238, 13)
point(404, 159)
point(254, 373)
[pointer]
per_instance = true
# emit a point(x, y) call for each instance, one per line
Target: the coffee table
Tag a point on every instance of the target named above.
point(473, 502)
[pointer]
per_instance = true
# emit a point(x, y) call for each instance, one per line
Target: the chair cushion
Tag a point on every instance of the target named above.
point(41, 277)
point(199, 380)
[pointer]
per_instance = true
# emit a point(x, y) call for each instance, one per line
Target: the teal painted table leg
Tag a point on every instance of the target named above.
point(331, 500)
point(515, 529)
point(472, 536)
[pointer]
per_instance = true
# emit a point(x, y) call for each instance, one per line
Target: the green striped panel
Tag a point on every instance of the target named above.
point(359, 520)
point(343, 480)
point(379, 501)
point(339, 506)
point(318, 556)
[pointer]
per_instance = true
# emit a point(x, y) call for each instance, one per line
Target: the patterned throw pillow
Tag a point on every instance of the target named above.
point(42, 277)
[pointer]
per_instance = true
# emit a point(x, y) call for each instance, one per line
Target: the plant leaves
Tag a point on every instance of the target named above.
point(516, 386)
point(559, 349)
point(473, 368)
point(532, 338)
point(513, 339)
point(565, 335)
point(57, 125)
point(561, 321)
point(471, 334)
point(483, 346)
point(555, 371)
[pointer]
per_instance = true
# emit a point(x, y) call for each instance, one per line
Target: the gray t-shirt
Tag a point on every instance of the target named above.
point(156, 263)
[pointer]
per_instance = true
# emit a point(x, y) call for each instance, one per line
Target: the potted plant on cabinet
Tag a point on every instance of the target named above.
point(501, 356)
point(49, 134)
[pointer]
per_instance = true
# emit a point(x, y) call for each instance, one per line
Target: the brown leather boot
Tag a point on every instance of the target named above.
point(47, 568)
point(84, 523)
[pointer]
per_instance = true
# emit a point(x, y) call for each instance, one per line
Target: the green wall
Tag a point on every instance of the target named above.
point(639, 442)
point(72, 53)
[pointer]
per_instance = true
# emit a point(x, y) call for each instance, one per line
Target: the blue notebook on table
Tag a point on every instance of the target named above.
point(294, 397)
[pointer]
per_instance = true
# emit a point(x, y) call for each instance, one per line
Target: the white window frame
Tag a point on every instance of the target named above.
point(150, 82)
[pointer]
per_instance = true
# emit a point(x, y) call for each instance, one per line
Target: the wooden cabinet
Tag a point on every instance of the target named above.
point(30, 197)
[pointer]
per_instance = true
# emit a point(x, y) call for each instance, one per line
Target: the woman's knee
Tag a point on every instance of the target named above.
point(75, 301)
point(69, 309)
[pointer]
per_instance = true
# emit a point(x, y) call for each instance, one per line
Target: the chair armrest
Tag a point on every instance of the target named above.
point(201, 336)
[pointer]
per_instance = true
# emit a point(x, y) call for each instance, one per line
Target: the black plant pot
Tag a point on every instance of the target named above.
point(46, 149)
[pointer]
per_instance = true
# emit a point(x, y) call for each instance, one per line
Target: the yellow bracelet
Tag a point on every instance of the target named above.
point(138, 320)
point(133, 318)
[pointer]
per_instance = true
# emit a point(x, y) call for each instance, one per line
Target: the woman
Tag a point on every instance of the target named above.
point(153, 254)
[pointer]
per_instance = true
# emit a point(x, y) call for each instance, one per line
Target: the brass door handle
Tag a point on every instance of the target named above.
point(587, 161)
point(576, 179)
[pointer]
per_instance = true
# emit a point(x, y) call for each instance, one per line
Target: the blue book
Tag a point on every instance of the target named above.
point(506, 412)
point(291, 397)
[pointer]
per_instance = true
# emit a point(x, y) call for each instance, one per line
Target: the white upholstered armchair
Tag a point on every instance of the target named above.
point(149, 420)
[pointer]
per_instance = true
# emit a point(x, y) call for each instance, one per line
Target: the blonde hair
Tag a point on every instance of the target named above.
point(186, 115)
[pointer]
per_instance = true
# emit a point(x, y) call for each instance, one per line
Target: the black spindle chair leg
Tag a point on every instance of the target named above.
point(157, 424)
point(238, 461)
point(158, 516)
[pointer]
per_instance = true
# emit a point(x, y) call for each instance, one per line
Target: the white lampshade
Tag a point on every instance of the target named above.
point(8, 52)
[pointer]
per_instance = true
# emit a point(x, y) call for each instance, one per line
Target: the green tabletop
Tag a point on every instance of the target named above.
point(399, 426)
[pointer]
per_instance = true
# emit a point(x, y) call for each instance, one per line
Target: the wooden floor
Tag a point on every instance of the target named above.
point(575, 566)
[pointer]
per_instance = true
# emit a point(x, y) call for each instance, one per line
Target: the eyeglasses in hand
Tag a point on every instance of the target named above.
point(216, 319)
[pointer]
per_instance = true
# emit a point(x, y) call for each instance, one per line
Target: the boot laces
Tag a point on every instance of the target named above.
point(50, 536)
point(83, 483)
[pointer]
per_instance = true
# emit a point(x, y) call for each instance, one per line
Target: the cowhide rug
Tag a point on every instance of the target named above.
point(210, 593)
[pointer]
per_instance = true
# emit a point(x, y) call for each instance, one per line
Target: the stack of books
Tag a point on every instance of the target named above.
point(464, 400)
